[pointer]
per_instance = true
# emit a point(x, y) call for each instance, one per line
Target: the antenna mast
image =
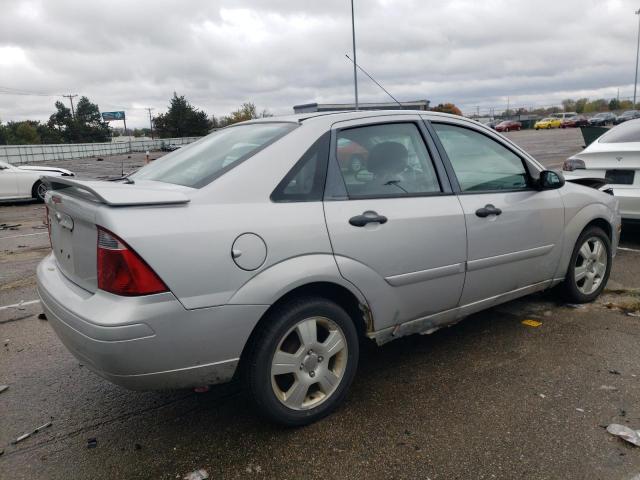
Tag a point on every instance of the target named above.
point(373, 80)
point(355, 71)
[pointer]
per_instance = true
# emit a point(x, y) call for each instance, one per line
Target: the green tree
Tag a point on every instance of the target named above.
point(26, 134)
point(447, 108)
point(599, 105)
point(89, 124)
point(247, 111)
point(569, 105)
point(626, 105)
point(614, 104)
point(182, 120)
point(62, 122)
point(580, 104)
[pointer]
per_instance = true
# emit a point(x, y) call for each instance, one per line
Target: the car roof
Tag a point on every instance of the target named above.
point(340, 116)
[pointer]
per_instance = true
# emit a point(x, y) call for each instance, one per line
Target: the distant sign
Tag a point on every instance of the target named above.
point(106, 116)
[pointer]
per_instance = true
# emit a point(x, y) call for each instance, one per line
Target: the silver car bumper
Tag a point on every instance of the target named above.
point(145, 343)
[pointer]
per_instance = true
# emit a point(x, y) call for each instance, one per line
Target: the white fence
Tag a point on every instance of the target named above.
point(19, 154)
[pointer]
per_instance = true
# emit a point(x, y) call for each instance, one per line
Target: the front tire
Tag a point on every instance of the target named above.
point(39, 190)
point(589, 267)
point(302, 361)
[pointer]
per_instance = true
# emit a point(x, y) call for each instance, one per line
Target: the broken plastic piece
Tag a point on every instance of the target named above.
point(581, 410)
point(42, 316)
point(42, 427)
point(626, 433)
point(200, 474)
point(531, 323)
point(3, 388)
point(21, 438)
point(92, 443)
point(574, 305)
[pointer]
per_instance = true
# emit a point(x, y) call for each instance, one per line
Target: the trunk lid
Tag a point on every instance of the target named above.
point(74, 210)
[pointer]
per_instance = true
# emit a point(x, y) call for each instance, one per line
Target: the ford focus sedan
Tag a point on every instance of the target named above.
point(256, 253)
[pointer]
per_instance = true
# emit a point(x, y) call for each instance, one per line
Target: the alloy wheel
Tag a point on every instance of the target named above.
point(41, 191)
point(309, 363)
point(591, 265)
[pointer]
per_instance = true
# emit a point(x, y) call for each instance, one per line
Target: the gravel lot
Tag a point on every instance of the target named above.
point(489, 398)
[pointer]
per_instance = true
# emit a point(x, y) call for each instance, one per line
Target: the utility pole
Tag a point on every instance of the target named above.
point(148, 109)
point(71, 97)
point(355, 70)
point(635, 83)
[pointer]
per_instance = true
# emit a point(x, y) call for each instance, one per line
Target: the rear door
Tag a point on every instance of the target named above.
point(514, 231)
point(396, 228)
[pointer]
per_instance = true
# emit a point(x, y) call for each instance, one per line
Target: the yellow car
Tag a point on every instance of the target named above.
point(548, 123)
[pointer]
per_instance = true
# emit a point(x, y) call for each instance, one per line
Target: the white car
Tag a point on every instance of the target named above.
point(24, 181)
point(613, 158)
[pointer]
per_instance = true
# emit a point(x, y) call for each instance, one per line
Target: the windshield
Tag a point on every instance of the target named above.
point(201, 162)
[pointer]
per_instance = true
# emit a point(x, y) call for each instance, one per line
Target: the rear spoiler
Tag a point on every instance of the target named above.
point(115, 194)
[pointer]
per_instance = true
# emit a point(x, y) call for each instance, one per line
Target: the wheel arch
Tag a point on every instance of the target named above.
point(358, 311)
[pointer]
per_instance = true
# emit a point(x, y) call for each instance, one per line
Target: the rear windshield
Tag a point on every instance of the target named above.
point(625, 132)
point(201, 162)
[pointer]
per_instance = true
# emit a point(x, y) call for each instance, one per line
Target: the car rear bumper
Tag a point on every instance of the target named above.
point(145, 343)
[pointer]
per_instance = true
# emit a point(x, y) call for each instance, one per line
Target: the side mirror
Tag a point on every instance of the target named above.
point(550, 180)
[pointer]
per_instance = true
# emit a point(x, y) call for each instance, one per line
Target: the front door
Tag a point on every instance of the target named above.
point(398, 231)
point(514, 232)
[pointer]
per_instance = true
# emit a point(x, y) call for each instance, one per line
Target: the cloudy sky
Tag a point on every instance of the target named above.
point(135, 54)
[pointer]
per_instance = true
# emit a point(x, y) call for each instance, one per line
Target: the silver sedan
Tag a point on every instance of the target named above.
point(267, 250)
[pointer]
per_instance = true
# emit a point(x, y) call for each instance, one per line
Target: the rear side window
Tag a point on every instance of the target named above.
point(305, 181)
point(479, 162)
point(625, 132)
point(201, 162)
point(388, 160)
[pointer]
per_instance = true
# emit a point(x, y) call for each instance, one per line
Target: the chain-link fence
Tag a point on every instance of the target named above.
point(19, 154)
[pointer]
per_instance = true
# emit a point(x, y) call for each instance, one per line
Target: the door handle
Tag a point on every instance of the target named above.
point(367, 217)
point(488, 210)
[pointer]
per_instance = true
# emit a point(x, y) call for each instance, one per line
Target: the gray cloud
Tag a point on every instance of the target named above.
point(282, 52)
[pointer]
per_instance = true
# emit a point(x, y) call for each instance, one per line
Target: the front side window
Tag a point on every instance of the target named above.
point(479, 162)
point(388, 160)
point(201, 162)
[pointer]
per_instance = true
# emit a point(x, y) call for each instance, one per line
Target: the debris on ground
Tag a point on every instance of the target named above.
point(610, 388)
point(574, 305)
point(92, 443)
point(21, 438)
point(3, 388)
point(6, 226)
point(626, 433)
point(204, 389)
point(581, 410)
point(42, 316)
point(633, 314)
point(614, 372)
point(542, 395)
point(42, 427)
point(137, 446)
point(39, 227)
point(531, 323)
point(200, 474)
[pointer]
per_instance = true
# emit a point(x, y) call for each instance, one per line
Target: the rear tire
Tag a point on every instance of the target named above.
point(589, 267)
point(302, 361)
point(39, 190)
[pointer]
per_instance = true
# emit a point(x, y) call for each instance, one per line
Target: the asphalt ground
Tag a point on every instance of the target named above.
point(488, 398)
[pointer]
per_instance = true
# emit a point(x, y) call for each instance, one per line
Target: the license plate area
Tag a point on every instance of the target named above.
point(620, 177)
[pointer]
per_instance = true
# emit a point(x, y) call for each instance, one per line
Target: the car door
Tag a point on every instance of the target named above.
point(8, 181)
point(514, 231)
point(396, 228)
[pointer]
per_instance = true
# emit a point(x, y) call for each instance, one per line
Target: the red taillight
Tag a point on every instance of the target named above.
point(121, 271)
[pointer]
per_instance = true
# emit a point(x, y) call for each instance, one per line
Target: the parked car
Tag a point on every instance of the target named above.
point(548, 123)
point(23, 182)
point(602, 119)
point(493, 123)
point(170, 147)
point(272, 268)
point(625, 116)
point(508, 126)
point(573, 122)
point(564, 115)
point(614, 157)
